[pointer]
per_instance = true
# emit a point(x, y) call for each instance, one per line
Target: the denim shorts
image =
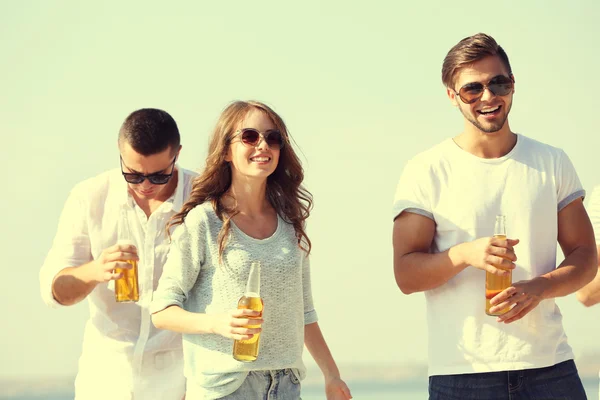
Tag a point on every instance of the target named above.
point(281, 384)
point(558, 382)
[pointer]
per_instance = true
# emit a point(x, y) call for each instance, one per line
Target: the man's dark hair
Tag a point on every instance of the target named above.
point(150, 131)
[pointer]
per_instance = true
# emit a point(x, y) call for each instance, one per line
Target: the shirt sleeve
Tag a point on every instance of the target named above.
point(593, 210)
point(181, 270)
point(71, 246)
point(310, 314)
point(569, 186)
point(412, 192)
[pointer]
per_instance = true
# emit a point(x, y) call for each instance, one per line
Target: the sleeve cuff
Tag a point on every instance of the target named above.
point(400, 208)
point(310, 317)
point(46, 281)
point(49, 299)
point(160, 304)
point(569, 199)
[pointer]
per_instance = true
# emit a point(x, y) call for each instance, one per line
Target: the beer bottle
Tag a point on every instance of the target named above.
point(247, 350)
point(494, 284)
point(126, 287)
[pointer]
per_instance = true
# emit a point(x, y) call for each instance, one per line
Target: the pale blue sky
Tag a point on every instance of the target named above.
point(359, 87)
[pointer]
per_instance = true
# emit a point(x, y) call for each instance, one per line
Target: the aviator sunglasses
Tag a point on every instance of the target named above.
point(251, 137)
point(499, 86)
point(155, 179)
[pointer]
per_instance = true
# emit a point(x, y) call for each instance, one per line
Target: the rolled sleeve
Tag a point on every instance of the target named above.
point(310, 314)
point(70, 248)
point(569, 186)
point(181, 269)
point(412, 192)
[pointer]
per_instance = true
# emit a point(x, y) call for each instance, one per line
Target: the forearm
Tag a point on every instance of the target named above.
point(577, 270)
point(73, 284)
point(589, 295)
point(418, 272)
point(175, 318)
point(317, 347)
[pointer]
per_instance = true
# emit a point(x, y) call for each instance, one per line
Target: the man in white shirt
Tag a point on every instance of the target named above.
point(123, 355)
point(444, 211)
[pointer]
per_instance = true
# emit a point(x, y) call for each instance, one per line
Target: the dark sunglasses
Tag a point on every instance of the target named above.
point(155, 179)
point(251, 137)
point(499, 86)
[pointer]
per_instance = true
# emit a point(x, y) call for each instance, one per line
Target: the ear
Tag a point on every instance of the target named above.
point(452, 96)
point(513, 79)
point(178, 151)
point(228, 155)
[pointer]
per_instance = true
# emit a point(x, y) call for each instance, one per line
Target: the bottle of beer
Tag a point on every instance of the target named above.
point(126, 287)
point(247, 350)
point(494, 284)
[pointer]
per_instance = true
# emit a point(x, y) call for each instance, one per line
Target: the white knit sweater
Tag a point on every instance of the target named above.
point(194, 280)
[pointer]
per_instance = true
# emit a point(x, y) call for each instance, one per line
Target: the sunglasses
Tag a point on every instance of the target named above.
point(155, 179)
point(251, 137)
point(499, 86)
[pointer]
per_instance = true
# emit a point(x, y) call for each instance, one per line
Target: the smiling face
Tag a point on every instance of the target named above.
point(489, 113)
point(253, 162)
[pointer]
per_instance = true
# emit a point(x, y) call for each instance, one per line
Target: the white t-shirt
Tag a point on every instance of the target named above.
point(463, 194)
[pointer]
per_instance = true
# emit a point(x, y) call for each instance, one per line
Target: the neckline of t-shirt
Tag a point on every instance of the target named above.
point(463, 153)
point(255, 240)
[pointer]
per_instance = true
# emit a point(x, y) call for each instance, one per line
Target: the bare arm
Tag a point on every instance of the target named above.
point(414, 268)
point(73, 284)
point(175, 318)
point(576, 238)
point(417, 270)
point(318, 349)
point(232, 325)
point(589, 295)
point(335, 388)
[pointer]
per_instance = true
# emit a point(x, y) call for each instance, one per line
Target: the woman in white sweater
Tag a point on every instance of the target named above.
point(248, 205)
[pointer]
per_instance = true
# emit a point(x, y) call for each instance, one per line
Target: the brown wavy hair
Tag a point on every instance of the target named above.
point(285, 192)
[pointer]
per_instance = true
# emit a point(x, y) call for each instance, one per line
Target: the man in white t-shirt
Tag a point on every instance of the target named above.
point(445, 208)
point(124, 356)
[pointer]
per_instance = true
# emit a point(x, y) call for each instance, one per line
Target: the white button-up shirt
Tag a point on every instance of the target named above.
point(124, 356)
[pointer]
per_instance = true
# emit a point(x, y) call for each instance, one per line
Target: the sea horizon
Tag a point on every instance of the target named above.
point(409, 389)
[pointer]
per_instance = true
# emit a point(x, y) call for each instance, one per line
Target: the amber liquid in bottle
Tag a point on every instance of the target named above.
point(126, 287)
point(494, 284)
point(247, 350)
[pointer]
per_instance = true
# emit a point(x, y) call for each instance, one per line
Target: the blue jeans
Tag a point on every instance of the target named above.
point(279, 384)
point(559, 382)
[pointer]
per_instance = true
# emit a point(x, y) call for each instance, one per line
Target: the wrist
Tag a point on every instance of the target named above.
point(209, 325)
point(331, 374)
point(458, 255)
point(88, 273)
point(542, 287)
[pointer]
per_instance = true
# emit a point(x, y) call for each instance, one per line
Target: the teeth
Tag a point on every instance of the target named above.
point(260, 159)
point(488, 110)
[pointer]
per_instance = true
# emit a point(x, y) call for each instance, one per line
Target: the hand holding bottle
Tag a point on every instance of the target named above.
point(491, 254)
point(111, 261)
point(236, 324)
